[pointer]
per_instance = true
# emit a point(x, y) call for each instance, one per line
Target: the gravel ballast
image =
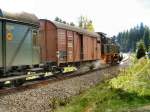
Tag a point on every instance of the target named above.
point(40, 98)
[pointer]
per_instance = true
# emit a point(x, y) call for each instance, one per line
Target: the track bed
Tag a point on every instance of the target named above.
point(38, 98)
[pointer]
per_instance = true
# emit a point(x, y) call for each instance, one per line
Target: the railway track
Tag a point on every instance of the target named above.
point(51, 79)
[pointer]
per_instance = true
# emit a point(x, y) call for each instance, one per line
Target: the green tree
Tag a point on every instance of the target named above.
point(72, 24)
point(146, 38)
point(64, 22)
point(82, 22)
point(90, 26)
point(57, 19)
point(128, 39)
point(140, 50)
point(85, 23)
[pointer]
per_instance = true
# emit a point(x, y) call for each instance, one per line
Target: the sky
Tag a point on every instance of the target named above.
point(108, 16)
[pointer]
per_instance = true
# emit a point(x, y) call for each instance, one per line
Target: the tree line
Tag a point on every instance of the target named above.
point(83, 22)
point(128, 40)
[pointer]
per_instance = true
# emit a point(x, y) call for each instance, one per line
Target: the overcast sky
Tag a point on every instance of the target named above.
point(109, 16)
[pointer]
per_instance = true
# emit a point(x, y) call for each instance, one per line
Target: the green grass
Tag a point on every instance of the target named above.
point(131, 89)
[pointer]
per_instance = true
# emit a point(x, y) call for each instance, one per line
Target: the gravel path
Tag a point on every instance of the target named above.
point(39, 99)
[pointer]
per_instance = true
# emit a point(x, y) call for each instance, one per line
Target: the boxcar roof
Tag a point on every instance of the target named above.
point(76, 29)
point(20, 17)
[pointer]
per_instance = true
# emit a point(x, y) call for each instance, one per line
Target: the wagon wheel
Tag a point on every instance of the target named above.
point(1, 85)
point(91, 67)
point(18, 82)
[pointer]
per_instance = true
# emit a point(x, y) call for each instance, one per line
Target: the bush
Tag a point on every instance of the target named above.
point(135, 79)
point(140, 50)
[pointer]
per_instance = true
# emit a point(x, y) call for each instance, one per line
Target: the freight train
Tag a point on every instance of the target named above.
point(31, 48)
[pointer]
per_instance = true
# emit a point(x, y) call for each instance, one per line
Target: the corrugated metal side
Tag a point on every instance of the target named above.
point(70, 46)
point(62, 45)
point(77, 47)
point(48, 41)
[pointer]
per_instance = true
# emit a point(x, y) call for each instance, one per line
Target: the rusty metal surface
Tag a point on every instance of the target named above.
point(48, 41)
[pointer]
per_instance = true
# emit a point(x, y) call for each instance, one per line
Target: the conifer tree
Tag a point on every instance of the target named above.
point(140, 50)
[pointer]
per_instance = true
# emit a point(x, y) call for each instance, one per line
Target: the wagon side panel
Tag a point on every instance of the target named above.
point(77, 47)
point(48, 42)
point(62, 45)
point(70, 46)
point(95, 49)
point(43, 41)
point(51, 42)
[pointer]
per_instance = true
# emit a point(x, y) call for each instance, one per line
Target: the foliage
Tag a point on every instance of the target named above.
point(85, 23)
point(57, 19)
point(58, 101)
point(136, 79)
point(128, 39)
point(121, 94)
point(72, 24)
point(140, 50)
point(146, 38)
point(90, 26)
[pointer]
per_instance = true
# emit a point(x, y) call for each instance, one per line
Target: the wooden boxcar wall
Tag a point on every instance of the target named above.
point(89, 48)
point(99, 50)
point(69, 47)
point(77, 47)
point(48, 41)
point(62, 45)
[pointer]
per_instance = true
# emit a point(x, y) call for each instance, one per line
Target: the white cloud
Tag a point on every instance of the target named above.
point(109, 16)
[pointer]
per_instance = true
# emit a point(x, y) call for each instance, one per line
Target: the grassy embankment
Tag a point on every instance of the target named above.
point(131, 89)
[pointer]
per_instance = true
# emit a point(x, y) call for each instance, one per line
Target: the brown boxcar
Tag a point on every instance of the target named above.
point(65, 44)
